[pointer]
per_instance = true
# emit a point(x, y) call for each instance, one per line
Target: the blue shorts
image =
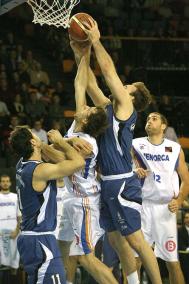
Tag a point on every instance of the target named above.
point(121, 205)
point(41, 259)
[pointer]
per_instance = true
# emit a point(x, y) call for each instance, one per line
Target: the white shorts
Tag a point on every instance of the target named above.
point(80, 223)
point(9, 255)
point(159, 227)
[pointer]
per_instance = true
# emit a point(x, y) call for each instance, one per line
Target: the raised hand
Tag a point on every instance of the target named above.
point(54, 136)
point(92, 31)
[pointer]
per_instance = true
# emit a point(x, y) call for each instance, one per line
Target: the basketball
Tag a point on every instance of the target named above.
point(77, 23)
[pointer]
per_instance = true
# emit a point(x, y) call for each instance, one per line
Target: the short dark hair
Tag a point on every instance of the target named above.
point(142, 97)
point(97, 122)
point(20, 142)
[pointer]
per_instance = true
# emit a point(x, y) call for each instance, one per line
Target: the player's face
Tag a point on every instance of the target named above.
point(5, 183)
point(154, 124)
point(84, 113)
point(186, 219)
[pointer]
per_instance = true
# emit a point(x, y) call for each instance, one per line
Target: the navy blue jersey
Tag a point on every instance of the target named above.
point(39, 209)
point(115, 145)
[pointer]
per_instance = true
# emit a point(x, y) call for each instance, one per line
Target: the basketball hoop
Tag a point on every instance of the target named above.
point(52, 12)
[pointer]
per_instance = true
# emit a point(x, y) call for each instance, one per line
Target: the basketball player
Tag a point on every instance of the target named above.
point(61, 192)
point(36, 188)
point(158, 161)
point(121, 191)
point(80, 222)
point(9, 224)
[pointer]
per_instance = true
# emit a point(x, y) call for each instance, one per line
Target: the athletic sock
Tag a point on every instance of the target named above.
point(67, 282)
point(133, 278)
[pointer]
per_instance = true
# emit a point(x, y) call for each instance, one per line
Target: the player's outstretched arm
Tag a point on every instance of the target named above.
point(184, 187)
point(93, 90)
point(95, 93)
point(52, 155)
point(81, 81)
point(108, 69)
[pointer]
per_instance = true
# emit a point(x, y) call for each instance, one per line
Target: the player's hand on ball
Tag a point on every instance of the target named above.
point(54, 136)
point(93, 31)
point(173, 205)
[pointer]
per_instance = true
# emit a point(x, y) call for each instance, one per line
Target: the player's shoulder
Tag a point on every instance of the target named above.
point(139, 140)
point(13, 196)
point(172, 143)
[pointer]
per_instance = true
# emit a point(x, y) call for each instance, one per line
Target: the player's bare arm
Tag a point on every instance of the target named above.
point(15, 233)
point(47, 171)
point(81, 81)
point(52, 155)
point(93, 90)
point(182, 170)
point(117, 88)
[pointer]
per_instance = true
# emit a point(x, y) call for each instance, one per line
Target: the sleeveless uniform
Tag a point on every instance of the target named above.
point(37, 244)
point(9, 255)
point(159, 187)
point(121, 190)
point(81, 212)
point(59, 199)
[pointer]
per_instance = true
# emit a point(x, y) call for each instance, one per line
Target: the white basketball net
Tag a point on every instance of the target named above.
point(55, 14)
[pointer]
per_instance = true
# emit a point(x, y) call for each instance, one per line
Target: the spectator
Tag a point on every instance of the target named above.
point(3, 109)
point(41, 133)
point(14, 121)
point(62, 93)
point(171, 134)
point(5, 93)
point(37, 75)
point(43, 94)
point(55, 109)
point(17, 108)
point(9, 225)
point(34, 108)
point(23, 73)
point(59, 125)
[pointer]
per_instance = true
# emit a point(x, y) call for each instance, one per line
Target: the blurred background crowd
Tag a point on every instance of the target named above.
point(147, 39)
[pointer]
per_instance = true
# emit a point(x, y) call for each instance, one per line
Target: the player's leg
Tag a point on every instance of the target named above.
point(128, 222)
point(138, 243)
point(165, 235)
point(85, 218)
point(100, 272)
point(126, 256)
point(65, 249)
point(71, 269)
point(114, 222)
point(111, 259)
point(175, 272)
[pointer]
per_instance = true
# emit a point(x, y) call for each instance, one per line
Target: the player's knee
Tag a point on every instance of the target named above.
point(85, 259)
point(173, 265)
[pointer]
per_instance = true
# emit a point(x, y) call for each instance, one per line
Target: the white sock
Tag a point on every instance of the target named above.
point(67, 282)
point(133, 278)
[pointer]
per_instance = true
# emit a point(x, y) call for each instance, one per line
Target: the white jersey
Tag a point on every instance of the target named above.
point(84, 183)
point(8, 221)
point(162, 182)
point(9, 211)
point(59, 198)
